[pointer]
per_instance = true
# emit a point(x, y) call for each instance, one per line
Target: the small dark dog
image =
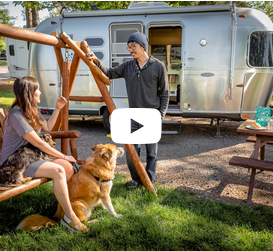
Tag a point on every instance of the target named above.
point(11, 172)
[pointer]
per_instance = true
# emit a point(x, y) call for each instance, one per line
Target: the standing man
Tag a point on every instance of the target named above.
point(147, 87)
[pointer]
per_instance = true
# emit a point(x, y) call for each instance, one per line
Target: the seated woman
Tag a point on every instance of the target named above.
point(22, 124)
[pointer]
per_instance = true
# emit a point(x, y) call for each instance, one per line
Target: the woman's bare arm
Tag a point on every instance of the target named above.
point(34, 139)
point(48, 125)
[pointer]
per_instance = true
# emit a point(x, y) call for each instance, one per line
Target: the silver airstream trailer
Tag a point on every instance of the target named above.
point(219, 58)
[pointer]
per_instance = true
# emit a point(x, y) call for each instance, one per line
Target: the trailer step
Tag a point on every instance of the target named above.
point(171, 123)
point(174, 109)
point(170, 132)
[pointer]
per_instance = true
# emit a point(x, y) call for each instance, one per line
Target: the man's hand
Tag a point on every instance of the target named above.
point(91, 57)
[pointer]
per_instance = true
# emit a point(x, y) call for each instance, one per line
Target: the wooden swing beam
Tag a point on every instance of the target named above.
point(69, 74)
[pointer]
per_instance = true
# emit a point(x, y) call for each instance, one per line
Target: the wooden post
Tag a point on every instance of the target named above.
point(251, 184)
point(73, 147)
point(103, 89)
point(60, 61)
point(58, 53)
point(74, 69)
point(59, 57)
point(30, 36)
point(65, 110)
point(86, 98)
point(111, 107)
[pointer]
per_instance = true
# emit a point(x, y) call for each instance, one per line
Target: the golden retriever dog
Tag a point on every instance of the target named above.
point(88, 188)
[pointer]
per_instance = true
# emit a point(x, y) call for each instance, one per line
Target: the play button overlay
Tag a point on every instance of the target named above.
point(132, 125)
point(123, 122)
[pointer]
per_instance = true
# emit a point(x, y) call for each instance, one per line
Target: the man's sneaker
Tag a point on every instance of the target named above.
point(132, 184)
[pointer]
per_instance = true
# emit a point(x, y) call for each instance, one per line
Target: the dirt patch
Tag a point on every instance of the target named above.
point(6, 85)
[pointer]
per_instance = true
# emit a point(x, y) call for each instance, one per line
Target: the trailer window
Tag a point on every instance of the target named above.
point(119, 34)
point(260, 49)
point(95, 41)
point(122, 35)
point(11, 50)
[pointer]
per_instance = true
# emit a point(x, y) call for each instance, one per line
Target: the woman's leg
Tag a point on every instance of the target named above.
point(57, 173)
point(69, 171)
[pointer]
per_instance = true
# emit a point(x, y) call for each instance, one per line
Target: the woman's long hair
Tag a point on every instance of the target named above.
point(24, 88)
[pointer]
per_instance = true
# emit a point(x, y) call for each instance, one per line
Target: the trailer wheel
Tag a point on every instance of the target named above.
point(106, 120)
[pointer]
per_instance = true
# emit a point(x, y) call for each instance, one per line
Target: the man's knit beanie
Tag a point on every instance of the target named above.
point(140, 38)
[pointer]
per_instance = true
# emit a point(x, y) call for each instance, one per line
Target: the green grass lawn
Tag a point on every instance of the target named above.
point(175, 220)
point(6, 99)
point(3, 62)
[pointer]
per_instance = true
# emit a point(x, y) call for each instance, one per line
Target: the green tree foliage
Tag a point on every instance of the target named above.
point(5, 18)
point(178, 3)
point(264, 6)
point(105, 5)
point(58, 7)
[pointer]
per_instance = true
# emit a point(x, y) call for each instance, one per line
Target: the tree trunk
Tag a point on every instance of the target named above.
point(29, 18)
point(32, 17)
point(35, 17)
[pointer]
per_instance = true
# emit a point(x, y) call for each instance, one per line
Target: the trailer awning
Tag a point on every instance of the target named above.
point(151, 11)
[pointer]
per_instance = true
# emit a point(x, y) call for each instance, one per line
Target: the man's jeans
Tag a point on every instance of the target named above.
point(151, 151)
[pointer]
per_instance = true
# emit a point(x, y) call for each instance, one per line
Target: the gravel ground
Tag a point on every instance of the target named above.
point(194, 160)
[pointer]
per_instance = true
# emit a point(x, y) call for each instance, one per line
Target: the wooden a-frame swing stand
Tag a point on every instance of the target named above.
point(69, 73)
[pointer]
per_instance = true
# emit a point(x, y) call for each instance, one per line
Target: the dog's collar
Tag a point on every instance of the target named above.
point(98, 179)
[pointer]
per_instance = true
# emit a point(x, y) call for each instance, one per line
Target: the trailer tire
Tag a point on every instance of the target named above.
point(106, 120)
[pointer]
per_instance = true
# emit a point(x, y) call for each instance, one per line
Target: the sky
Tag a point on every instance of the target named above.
point(16, 11)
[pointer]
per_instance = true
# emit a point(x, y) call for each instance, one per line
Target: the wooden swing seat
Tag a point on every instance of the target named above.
point(13, 190)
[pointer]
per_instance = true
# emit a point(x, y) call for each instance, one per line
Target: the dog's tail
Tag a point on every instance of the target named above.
point(34, 222)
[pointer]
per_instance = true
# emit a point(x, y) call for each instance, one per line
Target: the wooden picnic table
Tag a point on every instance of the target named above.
point(262, 137)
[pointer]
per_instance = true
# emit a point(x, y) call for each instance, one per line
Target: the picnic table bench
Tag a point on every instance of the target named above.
point(261, 138)
point(14, 190)
point(253, 164)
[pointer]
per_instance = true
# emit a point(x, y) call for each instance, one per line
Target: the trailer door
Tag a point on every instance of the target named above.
point(258, 82)
point(165, 40)
point(119, 33)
